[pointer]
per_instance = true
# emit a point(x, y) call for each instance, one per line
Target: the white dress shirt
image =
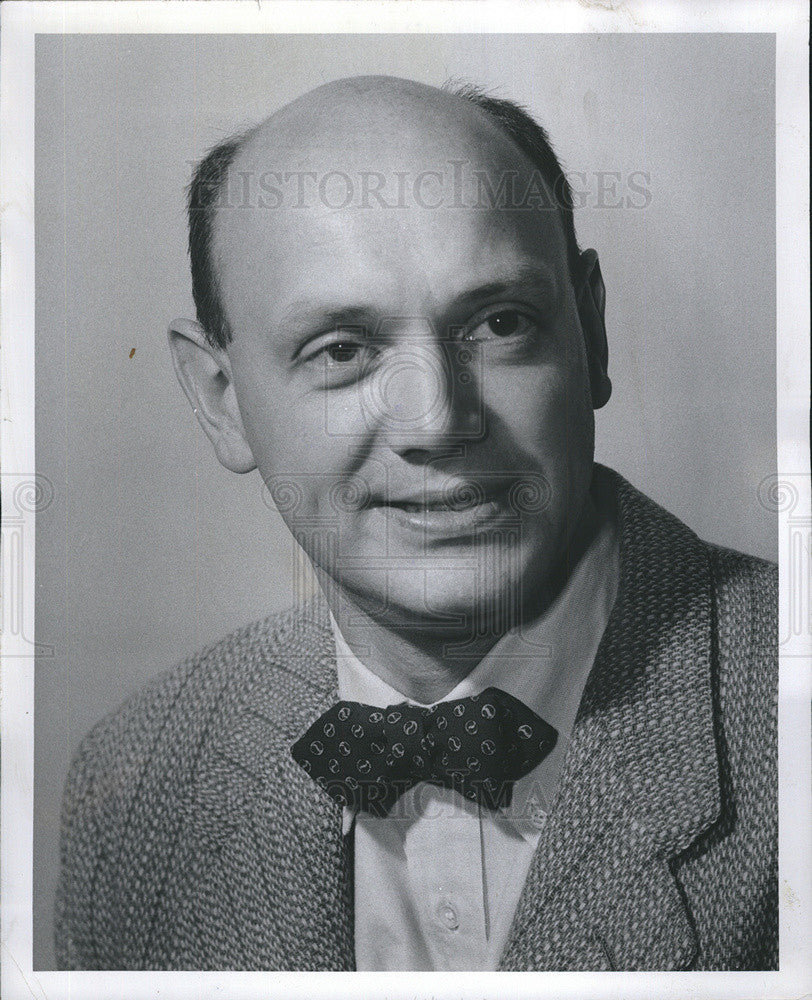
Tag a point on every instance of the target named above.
point(438, 880)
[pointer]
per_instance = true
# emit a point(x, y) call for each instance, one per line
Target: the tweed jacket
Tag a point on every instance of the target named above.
point(191, 840)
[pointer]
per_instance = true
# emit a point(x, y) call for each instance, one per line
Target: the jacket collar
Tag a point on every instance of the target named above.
point(640, 782)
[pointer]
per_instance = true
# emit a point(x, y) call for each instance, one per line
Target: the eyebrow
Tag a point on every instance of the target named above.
point(528, 275)
point(303, 317)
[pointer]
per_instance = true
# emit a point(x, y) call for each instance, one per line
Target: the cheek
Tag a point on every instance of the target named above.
point(307, 447)
point(286, 430)
point(545, 412)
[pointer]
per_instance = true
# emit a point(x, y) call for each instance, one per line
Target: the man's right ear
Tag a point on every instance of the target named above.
point(204, 373)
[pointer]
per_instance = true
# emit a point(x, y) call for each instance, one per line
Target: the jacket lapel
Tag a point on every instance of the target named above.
point(275, 892)
point(641, 780)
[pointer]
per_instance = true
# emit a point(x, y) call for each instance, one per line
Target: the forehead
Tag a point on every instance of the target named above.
point(398, 194)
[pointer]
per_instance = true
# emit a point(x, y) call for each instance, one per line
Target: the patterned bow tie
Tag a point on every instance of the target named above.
point(366, 757)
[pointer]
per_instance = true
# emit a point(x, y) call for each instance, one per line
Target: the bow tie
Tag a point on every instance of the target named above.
point(365, 757)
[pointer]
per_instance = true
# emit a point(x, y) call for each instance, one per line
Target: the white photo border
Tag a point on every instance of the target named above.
point(21, 22)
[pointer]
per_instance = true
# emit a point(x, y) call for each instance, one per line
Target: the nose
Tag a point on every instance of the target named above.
point(424, 398)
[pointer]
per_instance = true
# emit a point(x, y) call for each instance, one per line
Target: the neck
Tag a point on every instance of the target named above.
point(418, 663)
point(425, 663)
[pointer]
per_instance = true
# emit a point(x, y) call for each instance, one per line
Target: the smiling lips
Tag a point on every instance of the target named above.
point(447, 513)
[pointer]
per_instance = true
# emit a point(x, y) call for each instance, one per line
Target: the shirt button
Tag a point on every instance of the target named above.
point(538, 818)
point(448, 915)
point(536, 813)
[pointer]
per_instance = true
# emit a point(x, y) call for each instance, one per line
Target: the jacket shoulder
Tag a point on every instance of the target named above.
point(745, 591)
point(746, 643)
point(223, 675)
point(138, 764)
point(733, 869)
point(746, 582)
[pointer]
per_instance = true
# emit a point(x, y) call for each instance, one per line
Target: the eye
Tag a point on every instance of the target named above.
point(501, 325)
point(340, 357)
point(342, 352)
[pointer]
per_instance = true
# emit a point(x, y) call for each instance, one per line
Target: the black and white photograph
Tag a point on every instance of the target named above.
point(413, 418)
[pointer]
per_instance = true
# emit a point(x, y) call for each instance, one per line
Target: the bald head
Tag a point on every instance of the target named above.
point(372, 115)
point(367, 103)
point(371, 142)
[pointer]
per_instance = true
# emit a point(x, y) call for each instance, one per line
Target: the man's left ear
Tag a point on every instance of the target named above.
point(204, 372)
point(590, 295)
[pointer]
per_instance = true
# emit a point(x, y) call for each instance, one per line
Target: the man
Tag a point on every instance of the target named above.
point(533, 725)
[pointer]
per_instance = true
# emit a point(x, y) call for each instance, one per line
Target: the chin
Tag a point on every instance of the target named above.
point(438, 599)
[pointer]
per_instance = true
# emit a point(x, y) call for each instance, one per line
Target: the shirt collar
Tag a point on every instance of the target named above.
point(544, 664)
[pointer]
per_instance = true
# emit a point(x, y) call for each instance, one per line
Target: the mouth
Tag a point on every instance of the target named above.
point(446, 505)
point(457, 512)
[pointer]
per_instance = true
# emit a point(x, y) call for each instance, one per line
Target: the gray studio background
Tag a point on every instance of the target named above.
point(150, 549)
